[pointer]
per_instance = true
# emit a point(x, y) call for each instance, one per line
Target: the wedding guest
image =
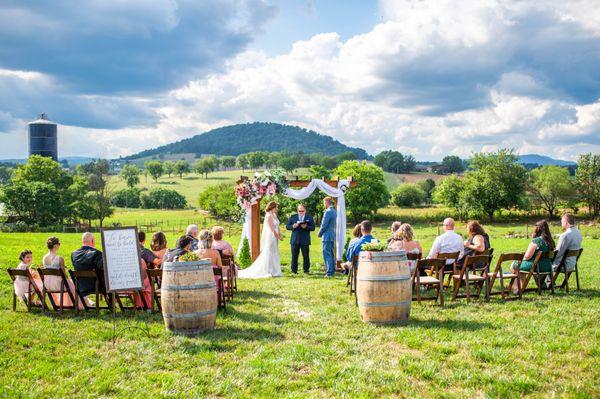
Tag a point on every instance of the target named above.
point(148, 256)
point(21, 283)
point(569, 240)
point(219, 244)
point(394, 228)
point(365, 229)
point(543, 242)
point(205, 250)
point(447, 242)
point(158, 245)
point(356, 234)
point(89, 258)
point(182, 247)
point(477, 242)
point(192, 232)
point(52, 260)
point(146, 291)
point(404, 239)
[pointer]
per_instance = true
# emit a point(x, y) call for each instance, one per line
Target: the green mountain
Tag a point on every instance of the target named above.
point(257, 136)
point(544, 160)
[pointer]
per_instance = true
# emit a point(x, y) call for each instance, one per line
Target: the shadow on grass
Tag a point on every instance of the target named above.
point(252, 294)
point(232, 313)
point(453, 325)
point(586, 292)
point(227, 339)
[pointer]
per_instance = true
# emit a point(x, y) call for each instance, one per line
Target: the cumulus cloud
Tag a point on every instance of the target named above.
point(114, 46)
point(433, 78)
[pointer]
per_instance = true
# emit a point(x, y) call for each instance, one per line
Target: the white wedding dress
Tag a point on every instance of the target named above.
point(267, 264)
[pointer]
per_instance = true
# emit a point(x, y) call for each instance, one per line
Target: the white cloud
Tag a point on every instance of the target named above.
point(434, 78)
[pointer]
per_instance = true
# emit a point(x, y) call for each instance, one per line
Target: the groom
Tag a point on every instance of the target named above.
point(327, 234)
point(301, 225)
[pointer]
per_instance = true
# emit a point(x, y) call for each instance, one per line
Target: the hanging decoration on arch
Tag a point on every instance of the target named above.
point(266, 184)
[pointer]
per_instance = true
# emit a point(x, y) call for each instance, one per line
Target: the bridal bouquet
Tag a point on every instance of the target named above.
point(249, 192)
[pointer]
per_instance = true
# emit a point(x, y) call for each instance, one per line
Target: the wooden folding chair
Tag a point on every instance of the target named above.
point(537, 275)
point(474, 271)
point(229, 260)
point(489, 251)
point(436, 266)
point(562, 268)
point(447, 272)
point(75, 276)
point(352, 275)
point(220, 287)
point(64, 288)
point(415, 257)
point(32, 290)
point(227, 278)
point(501, 275)
point(155, 276)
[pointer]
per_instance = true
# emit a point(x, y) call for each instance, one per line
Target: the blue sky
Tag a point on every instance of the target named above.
point(424, 77)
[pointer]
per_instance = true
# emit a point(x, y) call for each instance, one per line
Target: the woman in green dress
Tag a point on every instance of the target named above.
point(543, 242)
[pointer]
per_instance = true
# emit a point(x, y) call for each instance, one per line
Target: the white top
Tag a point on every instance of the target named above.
point(447, 242)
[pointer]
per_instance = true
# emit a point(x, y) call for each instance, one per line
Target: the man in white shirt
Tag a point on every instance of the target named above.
point(447, 242)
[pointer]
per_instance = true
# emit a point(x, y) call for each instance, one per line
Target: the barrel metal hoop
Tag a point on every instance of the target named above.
point(385, 278)
point(212, 284)
point(189, 315)
point(203, 265)
point(186, 268)
point(383, 304)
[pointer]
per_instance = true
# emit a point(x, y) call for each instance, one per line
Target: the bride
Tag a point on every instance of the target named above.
point(267, 264)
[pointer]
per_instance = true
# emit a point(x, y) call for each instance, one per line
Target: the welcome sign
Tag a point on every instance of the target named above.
point(122, 265)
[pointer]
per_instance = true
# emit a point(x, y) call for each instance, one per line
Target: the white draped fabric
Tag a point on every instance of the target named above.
point(305, 192)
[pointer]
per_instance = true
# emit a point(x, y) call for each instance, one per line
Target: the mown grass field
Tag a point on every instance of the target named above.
point(301, 336)
point(189, 186)
point(392, 180)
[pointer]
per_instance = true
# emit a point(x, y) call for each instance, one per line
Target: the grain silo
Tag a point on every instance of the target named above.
point(42, 138)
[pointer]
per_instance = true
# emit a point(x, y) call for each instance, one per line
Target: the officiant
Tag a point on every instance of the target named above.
point(301, 225)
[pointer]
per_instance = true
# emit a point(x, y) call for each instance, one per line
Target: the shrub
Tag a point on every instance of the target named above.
point(245, 259)
point(126, 198)
point(370, 192)
point(221, 202)
point(162, 198)
point(408, 195)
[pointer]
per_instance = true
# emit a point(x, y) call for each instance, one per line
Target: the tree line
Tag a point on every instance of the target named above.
point(249, 161)
point(498, 181)
point(396, 162)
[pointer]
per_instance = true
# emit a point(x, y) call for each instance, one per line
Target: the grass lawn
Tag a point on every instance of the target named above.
point(301, 336)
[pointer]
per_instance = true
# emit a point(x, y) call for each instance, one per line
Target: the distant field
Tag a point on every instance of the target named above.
point(392, 180)
point(190, 186)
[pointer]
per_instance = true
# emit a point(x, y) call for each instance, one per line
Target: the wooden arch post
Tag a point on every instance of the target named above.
point(255, 229)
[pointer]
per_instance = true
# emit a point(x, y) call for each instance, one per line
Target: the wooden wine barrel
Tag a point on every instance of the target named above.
point(383, 287)
point(188, 296)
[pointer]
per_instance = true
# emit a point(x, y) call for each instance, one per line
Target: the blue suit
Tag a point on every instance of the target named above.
point(327, 234)
point(300, 240)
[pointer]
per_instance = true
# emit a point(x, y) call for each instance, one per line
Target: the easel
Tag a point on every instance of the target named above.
point(128, 326)
point(129, 261)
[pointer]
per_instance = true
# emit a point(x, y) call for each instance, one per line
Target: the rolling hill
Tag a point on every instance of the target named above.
point(257, 136)
point(543, 160)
